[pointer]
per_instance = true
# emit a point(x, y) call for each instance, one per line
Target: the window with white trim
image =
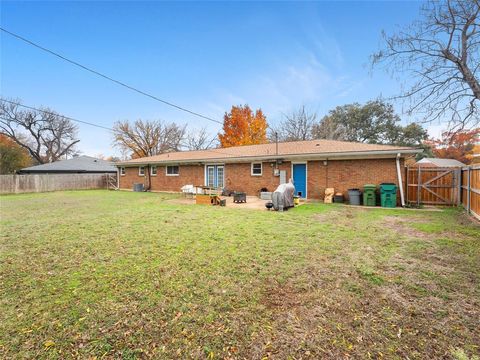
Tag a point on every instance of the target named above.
point(153, 170)
point(257, 169)
point(122, 171)
point(172, 170)
point(141, 171)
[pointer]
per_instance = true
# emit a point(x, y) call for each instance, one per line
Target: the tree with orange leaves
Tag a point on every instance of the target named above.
point(243, 127)
point(12, 156)
point(457, 145)
point(474, 157)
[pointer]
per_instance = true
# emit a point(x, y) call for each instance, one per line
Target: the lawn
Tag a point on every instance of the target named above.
point(87, 274)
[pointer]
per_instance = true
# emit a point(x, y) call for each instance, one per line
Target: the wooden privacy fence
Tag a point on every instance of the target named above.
point(433, 186)
point(471, 190)
point(444, 186)
point(14, 184)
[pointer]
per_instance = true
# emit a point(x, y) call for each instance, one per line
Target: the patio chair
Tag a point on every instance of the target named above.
point(188, 191)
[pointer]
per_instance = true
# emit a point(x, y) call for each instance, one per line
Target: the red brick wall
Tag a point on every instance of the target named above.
point(188, 174)
point(238, 177)
point(339, 174)
point(347, 174)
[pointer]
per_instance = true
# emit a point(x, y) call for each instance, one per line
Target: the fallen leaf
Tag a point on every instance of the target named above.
point(49, 344)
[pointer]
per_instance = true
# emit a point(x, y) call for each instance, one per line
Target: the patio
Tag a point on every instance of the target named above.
point(253, 202)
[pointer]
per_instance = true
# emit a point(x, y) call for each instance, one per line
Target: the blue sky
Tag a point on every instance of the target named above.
point(203, 56)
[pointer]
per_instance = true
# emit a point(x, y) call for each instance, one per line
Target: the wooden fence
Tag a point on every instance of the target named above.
point(471, 190)
point(14, 184)
point(433, 186)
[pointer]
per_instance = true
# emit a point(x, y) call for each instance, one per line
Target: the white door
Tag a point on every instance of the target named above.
point(215, 176)
point(210, 176)
point(220, 176)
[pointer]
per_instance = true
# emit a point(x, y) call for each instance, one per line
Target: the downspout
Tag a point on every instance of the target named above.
point(148, 178)
point(400, 182)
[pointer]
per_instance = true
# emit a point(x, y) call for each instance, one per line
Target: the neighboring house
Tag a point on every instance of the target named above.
point(437, 162)
point(77, 165)
point(312, 165)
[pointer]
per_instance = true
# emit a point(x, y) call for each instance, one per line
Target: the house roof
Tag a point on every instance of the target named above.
point(77, 164)
point(441, 162)
point(286, 150)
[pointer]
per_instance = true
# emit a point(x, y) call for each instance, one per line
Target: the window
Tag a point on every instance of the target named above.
point(122, 170)
point(256, 169)
point(172, 170)
point(153, 170)
point(141, 171)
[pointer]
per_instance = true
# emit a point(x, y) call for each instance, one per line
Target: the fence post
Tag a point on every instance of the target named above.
point(419, 180)
point(468, 190)
point(458, 179)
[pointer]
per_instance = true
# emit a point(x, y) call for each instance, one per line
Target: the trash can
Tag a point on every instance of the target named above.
point(354, 196)
point(369, 194)
point(138, 187)
point(338, 198)
point(388, 195)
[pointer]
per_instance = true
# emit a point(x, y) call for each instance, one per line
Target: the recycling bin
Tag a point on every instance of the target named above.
point(388, 195)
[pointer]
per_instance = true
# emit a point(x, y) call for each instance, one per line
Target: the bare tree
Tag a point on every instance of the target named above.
point(441, 54)
point(148, 138)
point(329, 129)
point(46, 135)
point(295, 126)
point(200, 140)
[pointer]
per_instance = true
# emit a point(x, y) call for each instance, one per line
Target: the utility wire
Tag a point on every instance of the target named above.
point(88, 123)
point(108, 77)
point(57, 114)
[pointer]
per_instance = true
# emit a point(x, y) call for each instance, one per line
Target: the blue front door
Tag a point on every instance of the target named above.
point(300, 179)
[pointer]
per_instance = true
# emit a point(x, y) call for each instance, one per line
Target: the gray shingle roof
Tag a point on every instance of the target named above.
point(442, 162)
point(79, 164)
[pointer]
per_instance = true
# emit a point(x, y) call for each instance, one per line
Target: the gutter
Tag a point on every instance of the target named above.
point(400, 182)
point(286, 157)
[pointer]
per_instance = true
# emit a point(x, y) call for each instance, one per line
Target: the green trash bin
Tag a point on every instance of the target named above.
point(369, 195)
point(388, 195)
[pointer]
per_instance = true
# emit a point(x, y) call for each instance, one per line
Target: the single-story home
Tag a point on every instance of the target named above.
point(437, 162)
point(76, 165)
point(312, 165)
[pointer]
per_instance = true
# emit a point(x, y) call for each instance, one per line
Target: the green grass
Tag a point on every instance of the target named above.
point(126, 275)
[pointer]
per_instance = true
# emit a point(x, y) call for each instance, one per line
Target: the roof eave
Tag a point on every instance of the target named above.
point(285, 157)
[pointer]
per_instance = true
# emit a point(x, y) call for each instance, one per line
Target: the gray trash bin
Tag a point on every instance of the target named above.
point(137, 187)
point(354, 196)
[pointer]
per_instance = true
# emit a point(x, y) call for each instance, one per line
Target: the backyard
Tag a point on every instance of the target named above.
point(87, 274)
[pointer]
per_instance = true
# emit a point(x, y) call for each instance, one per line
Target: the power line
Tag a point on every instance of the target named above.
point(56, 114)
point(108, 77)
point(86, 122)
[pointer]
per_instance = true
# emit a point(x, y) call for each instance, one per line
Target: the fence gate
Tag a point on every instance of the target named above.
point(433, 185)
point(112, 182)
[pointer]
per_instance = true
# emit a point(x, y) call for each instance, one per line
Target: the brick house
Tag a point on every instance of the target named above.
point(312, 165)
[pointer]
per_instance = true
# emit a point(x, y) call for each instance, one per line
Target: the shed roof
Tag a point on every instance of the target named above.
point(84, 164)
point(329, 148)
point(442, 162)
